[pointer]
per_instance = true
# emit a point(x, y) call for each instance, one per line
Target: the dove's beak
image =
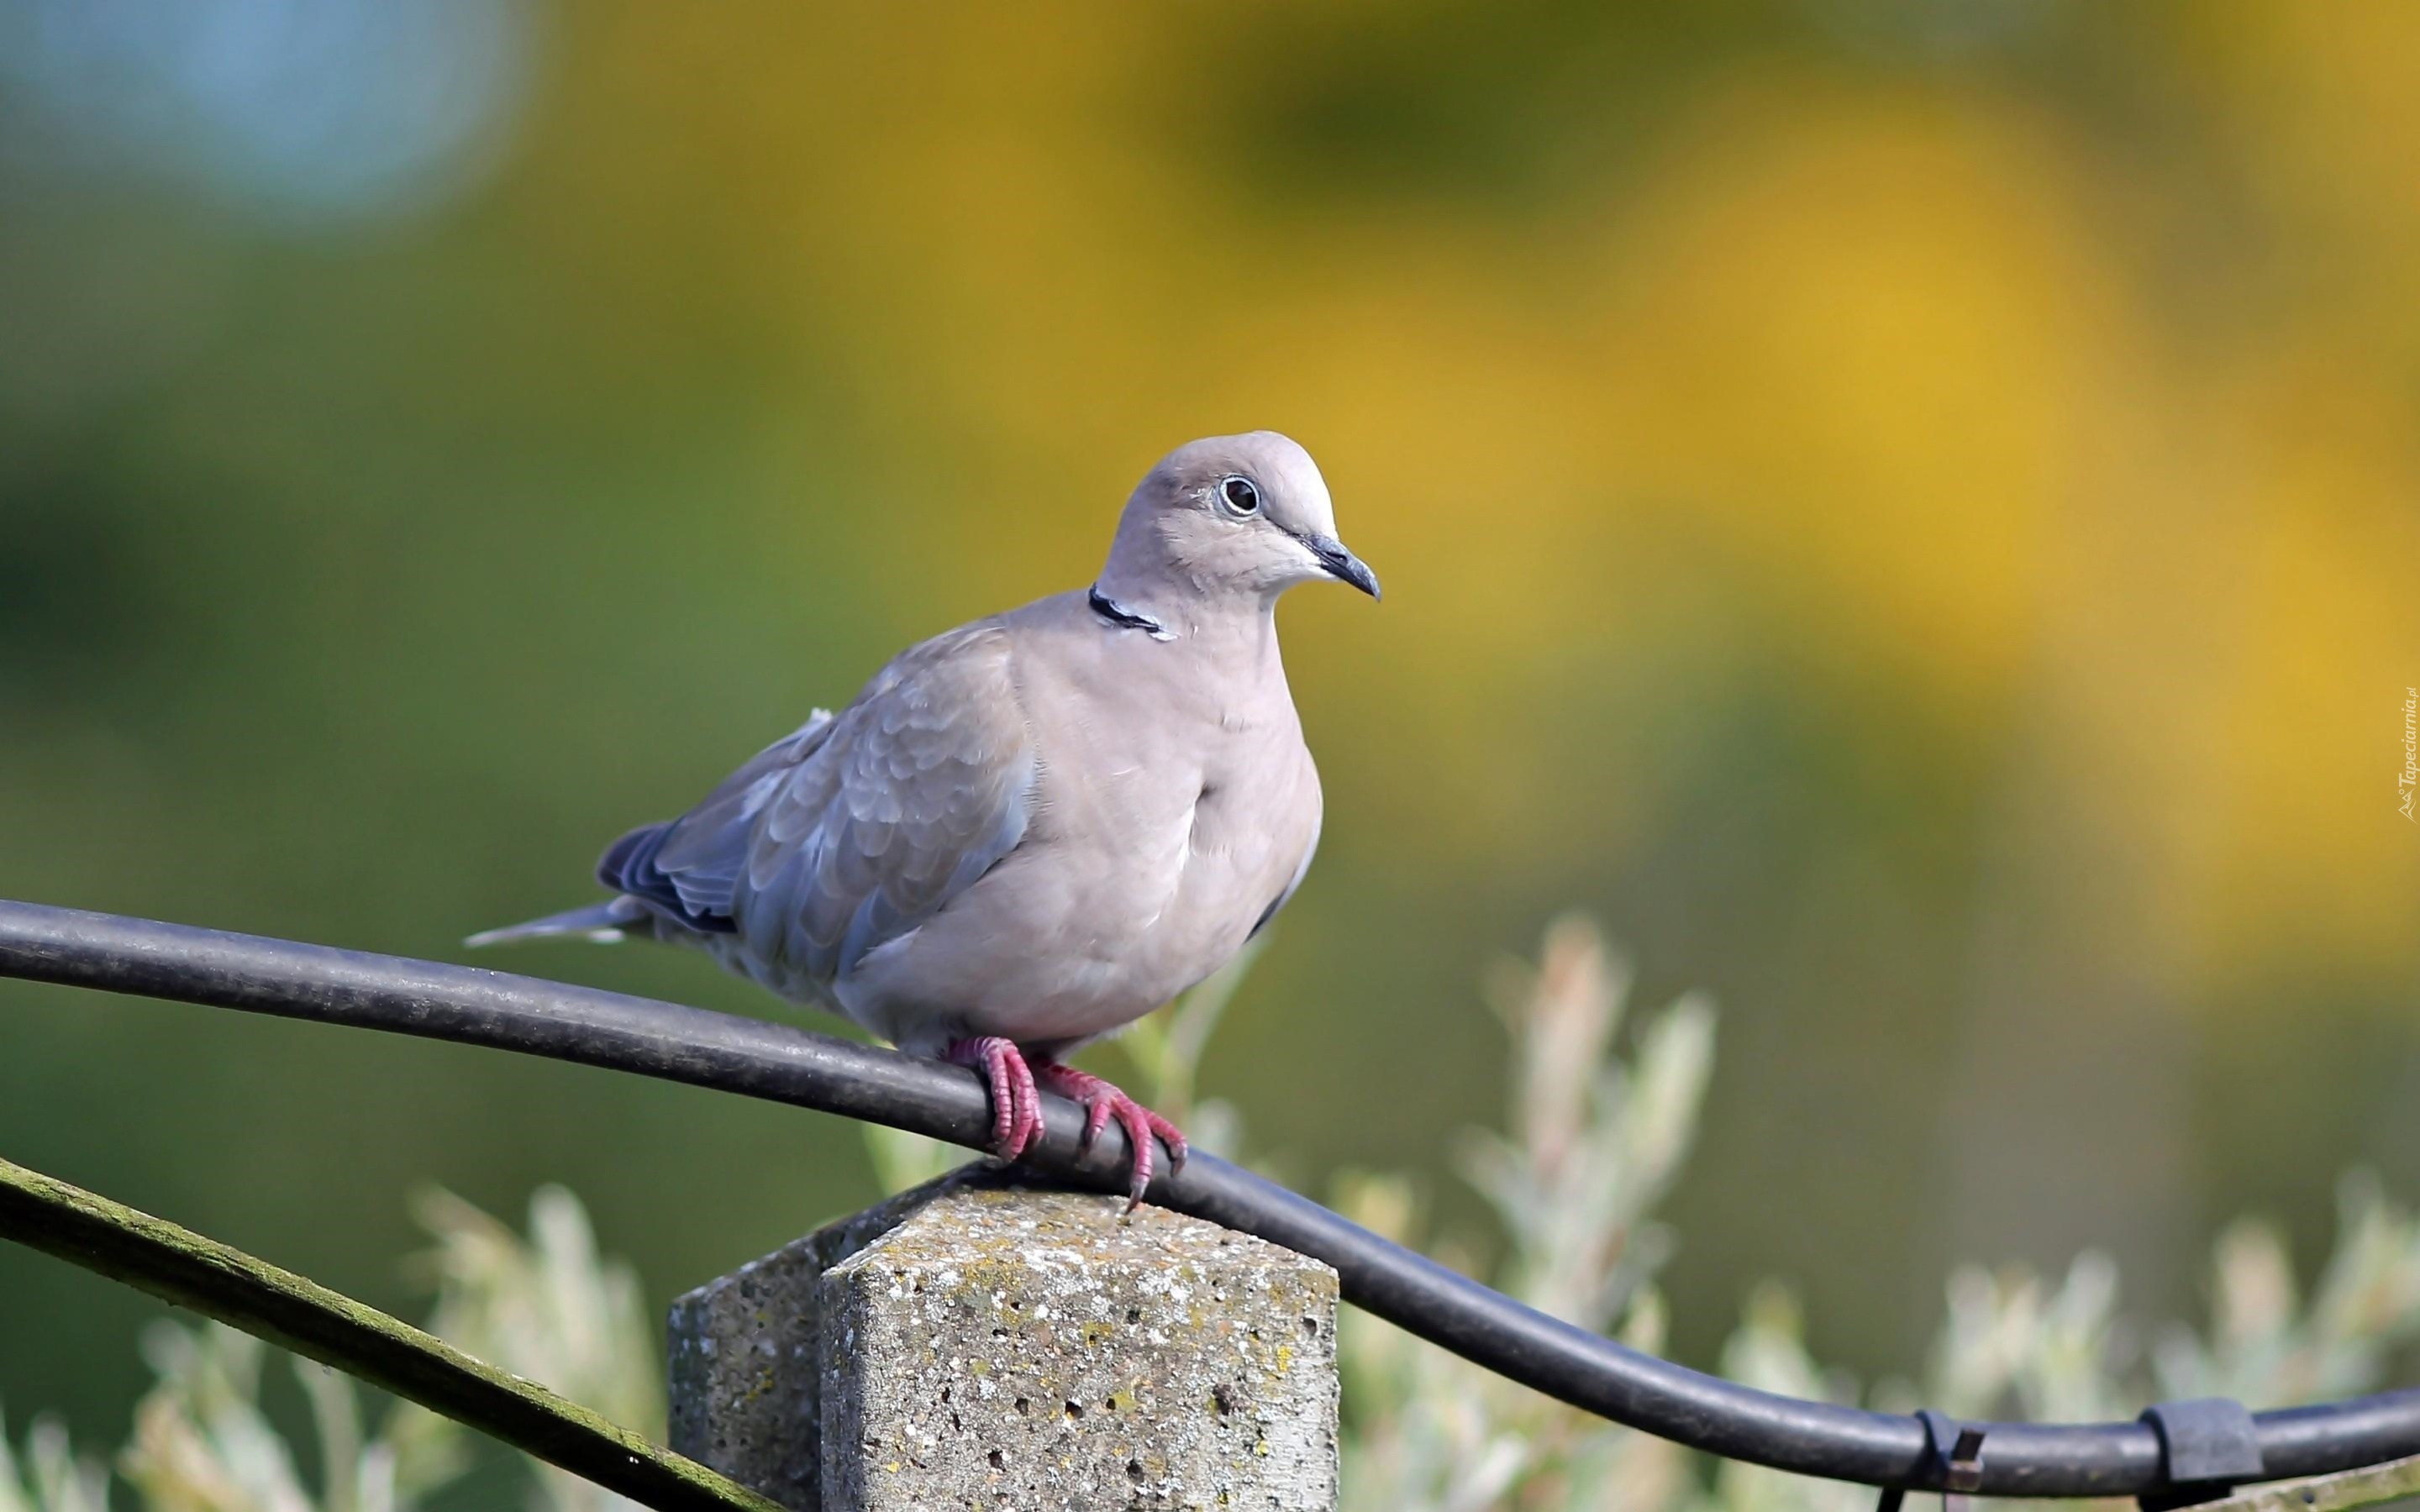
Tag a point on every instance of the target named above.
point(1342, 564)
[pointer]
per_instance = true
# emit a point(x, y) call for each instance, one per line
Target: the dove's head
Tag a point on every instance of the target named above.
point(1234, 515)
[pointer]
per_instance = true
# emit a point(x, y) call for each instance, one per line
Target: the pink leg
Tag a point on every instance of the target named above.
point(1016, 1106)
point(1102, 1102)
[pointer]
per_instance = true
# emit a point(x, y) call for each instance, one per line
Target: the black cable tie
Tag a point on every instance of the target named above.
point(1956, 1451)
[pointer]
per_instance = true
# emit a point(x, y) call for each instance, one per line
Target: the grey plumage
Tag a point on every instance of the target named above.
point(1039, 827)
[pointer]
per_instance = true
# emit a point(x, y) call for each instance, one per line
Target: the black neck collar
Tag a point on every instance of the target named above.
point(1117, 614)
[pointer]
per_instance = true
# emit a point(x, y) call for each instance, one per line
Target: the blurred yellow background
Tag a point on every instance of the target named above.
point(1905, 511)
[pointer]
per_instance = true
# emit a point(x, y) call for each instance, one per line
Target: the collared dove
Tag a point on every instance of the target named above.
point(1028, 832)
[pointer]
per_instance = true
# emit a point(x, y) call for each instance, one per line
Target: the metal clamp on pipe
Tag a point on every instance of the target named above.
point(2209, 1445)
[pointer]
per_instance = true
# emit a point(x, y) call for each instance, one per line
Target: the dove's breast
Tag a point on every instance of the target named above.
point(1172, 813)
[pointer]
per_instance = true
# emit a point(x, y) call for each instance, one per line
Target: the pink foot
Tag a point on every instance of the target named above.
point(1102, 1102)
point(1016, 1106)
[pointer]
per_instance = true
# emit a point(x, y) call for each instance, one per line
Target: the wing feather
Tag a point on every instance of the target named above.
point(863, 825)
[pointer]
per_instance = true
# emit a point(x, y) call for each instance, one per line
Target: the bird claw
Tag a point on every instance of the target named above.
point(1016, 1105)
point(1016, 1108)
point(1102, 1102)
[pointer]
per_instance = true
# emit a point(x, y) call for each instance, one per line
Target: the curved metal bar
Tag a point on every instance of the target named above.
point(784, 1064)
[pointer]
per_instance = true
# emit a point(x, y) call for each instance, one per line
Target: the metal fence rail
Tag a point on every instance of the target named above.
point(2166, 1456)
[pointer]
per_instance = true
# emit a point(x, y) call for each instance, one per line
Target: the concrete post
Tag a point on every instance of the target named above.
point(979, 1343)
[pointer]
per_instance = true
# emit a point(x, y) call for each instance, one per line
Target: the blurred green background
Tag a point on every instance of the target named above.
point(1903, 510)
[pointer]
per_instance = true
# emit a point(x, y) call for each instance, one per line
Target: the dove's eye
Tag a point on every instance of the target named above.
point(1240, 496)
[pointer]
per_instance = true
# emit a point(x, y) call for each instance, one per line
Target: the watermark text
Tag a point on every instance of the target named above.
point(2408, 781)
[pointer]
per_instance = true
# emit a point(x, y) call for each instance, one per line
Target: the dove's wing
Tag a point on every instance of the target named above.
point(690, 868)
point(862, 825)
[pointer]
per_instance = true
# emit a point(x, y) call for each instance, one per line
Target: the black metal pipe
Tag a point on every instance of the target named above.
point(790, 1065)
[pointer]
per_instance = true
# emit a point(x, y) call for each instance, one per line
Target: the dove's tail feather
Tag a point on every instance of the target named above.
point(604, 922)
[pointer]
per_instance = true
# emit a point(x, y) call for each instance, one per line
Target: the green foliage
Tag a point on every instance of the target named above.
point(549, 1308)
point(1595, 1141)
point(203, 1444)
point(2262, 1341)
point(51, 1478)
point(1597, 1137)
point(546, 1308)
